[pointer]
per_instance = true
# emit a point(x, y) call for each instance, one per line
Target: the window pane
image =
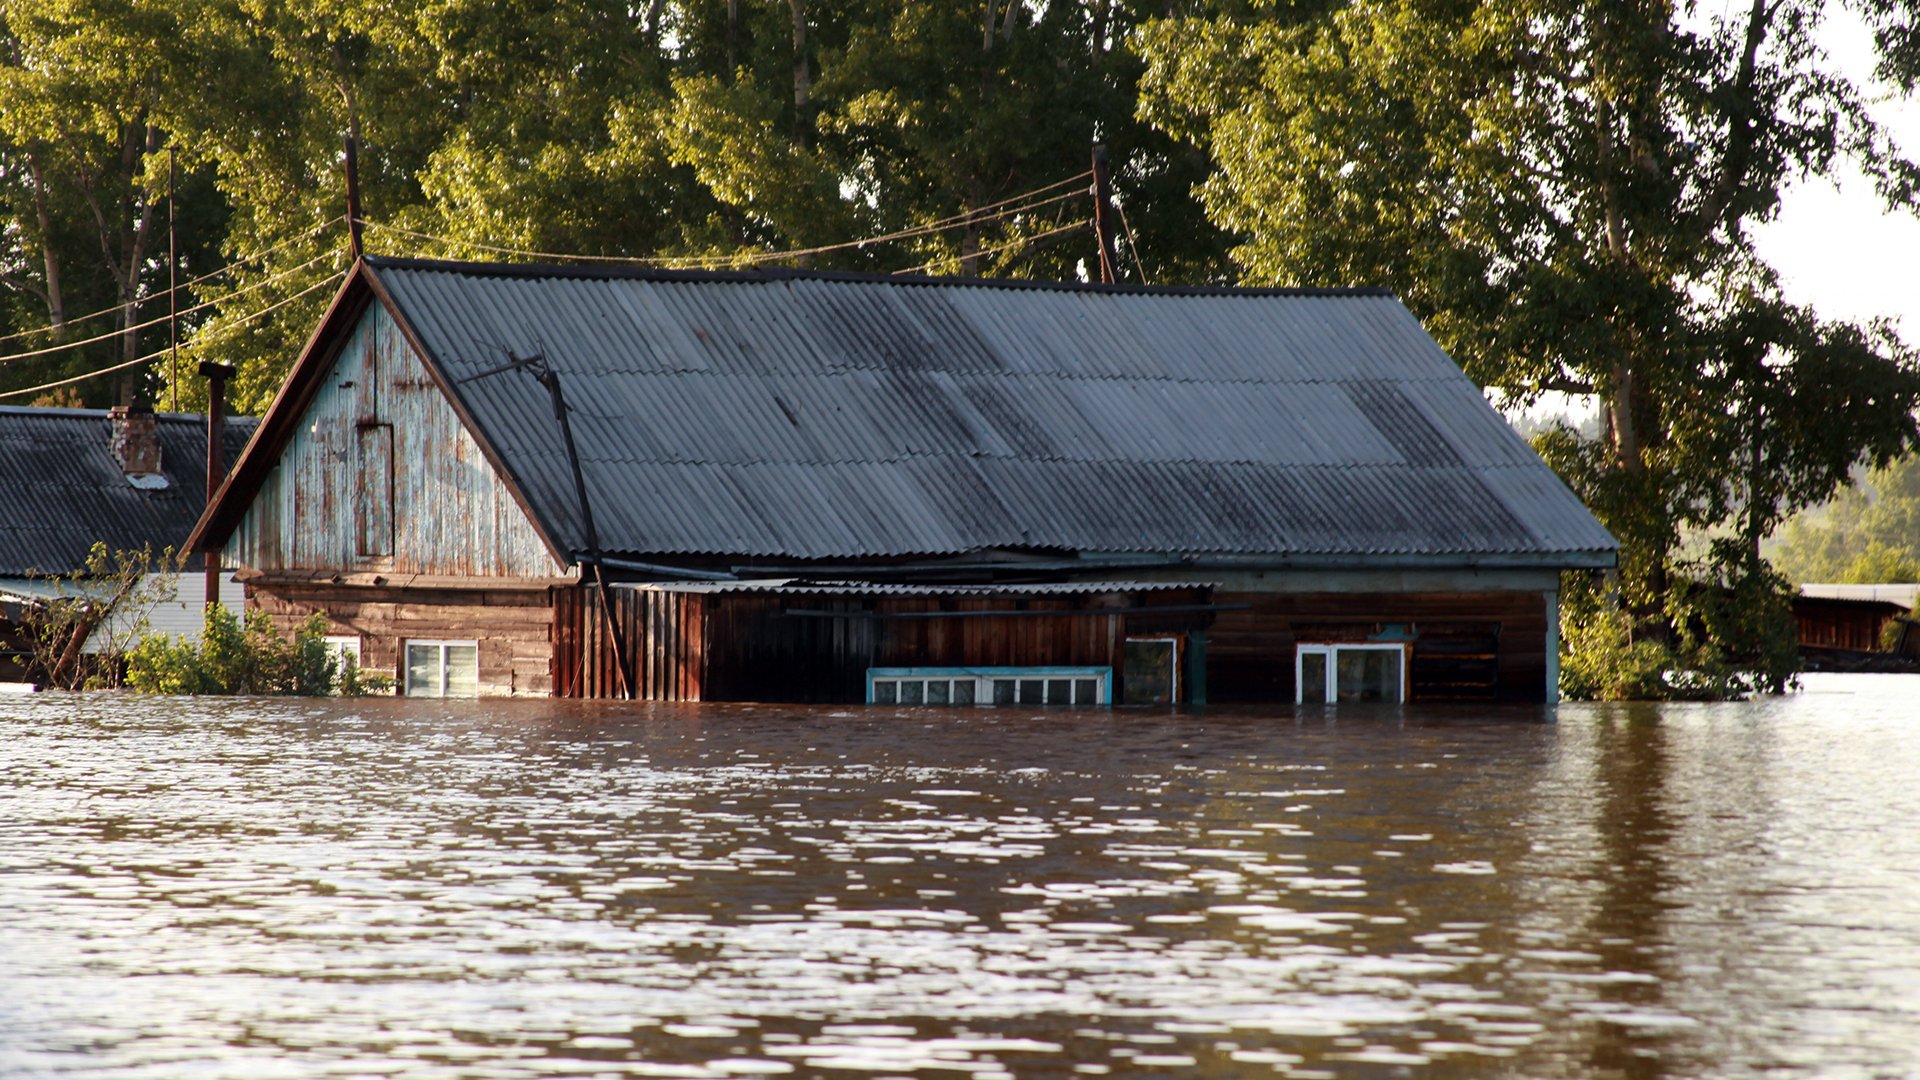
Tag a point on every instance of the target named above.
point(463, 670)
point(963, 691)
point(883, 692)
point(1059, 691)
point(1003, 691)
point(912, 691)
point(1032, 692)
point(423, 671)
point(1149, 671)
point(1086, 692)
point(937, 691)
point(1368, 674)
point(1313, 677)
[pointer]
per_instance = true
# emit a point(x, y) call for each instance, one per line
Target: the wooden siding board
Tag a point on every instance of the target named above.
point(451, 512)
point(513, 628)
point(1250, 651)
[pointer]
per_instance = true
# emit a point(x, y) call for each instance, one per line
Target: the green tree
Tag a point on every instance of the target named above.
point(1564, 191)
point(1868, 533)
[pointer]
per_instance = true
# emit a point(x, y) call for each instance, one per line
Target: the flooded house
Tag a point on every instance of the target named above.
point(811, 487)
point(127, 478)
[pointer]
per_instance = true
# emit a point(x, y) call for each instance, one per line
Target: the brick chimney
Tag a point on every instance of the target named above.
point(135, 445)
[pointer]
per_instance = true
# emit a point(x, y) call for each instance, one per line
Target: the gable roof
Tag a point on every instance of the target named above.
point(62, 490)
point(783, 414)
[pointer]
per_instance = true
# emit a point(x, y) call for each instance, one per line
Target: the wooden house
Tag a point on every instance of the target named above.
point(796, 486)
point(125, 478)
point(1842, 627)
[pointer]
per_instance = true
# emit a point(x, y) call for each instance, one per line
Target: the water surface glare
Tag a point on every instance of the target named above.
point(260, 889)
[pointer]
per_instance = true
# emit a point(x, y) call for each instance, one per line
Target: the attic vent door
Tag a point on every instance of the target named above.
point(373, 490)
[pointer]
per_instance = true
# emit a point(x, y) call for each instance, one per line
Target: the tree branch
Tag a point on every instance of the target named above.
point(1740, 126)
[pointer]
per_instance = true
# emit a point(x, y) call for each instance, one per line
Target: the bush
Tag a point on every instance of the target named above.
point(247, 656)
point(1723, 634)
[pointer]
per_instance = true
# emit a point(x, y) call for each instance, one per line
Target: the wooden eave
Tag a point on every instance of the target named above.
point(243, 482)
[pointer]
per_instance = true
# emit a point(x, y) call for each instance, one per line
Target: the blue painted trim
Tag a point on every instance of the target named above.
point(1104, 674)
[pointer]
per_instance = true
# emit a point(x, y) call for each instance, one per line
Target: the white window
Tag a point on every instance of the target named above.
point(343, 647)
point(443, 669)
point(1330, 673)
point(990, 686)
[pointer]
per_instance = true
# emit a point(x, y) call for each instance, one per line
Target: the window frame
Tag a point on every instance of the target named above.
point(983, 679)
point(443, 644)
point(1177, 646)
point(1331, 650)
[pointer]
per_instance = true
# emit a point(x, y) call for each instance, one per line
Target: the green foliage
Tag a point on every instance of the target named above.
point(1727, 633)
point(106, 601)
point(1565, 193)
point(247, 656)
point(594, 127)
point(1869, 533)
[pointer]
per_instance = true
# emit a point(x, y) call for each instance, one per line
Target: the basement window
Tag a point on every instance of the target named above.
point(1082, 686)
point(1335, 673)
point(443, 669)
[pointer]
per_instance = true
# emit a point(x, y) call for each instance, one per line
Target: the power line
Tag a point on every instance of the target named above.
point(1020, 242)
point(208, 276)
point(111, 334)
point(1133, 246)
point(990, 212)
point(125, 364)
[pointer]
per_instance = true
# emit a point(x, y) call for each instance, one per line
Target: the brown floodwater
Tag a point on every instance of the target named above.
point(386, 888)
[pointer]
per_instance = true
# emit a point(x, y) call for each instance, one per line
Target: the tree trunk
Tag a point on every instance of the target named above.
point(136, 235)
point(802, 77)
point(733, 38)
point(50, 257)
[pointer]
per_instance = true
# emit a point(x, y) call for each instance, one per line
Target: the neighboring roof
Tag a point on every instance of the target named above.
point(803, 587)
point(818, 416)
point(61, 489)
point(1905, 596)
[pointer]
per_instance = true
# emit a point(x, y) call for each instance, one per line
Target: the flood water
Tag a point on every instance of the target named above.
point(260, 889)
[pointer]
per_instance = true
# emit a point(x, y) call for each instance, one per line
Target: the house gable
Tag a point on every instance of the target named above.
point(378, 474)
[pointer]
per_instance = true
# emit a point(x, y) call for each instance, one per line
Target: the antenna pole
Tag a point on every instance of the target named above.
point(353, 198)
point(173, 291)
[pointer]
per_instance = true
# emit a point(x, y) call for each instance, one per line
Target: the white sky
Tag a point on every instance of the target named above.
point(1834, 244)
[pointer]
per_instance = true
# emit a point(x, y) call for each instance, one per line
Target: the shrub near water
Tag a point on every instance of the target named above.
point(247, 656)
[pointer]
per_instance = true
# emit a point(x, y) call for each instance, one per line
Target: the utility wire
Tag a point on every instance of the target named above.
point(123, 365)
point(1020, 242)
point(1133, 246)
point(989, 212)
point(210, 275)
point(156, 321)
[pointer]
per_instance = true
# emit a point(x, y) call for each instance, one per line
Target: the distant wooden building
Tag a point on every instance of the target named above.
point(817, 487)
point(1837, 620)
point(128, 479)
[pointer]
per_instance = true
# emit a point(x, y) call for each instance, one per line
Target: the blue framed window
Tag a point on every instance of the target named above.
point(1078, 686)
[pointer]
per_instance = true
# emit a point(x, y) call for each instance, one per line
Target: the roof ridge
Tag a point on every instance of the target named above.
point(772, 275)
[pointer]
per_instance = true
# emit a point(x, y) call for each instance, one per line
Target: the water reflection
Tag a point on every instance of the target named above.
point(394, 889)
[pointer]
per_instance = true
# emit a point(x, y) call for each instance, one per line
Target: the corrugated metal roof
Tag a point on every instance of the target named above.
point(801, 587)
point(61, 489)
point(829, 417)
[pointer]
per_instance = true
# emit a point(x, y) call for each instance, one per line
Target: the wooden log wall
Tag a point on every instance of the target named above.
point(1853, 625)
point(1473, 646)
point(752, 646)
point(514, 628)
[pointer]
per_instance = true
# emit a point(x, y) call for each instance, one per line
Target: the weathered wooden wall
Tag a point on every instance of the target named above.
point(1854, 625)
point(1466, 645)
point(750, 646)
point(328, 503)
point(514, 627)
